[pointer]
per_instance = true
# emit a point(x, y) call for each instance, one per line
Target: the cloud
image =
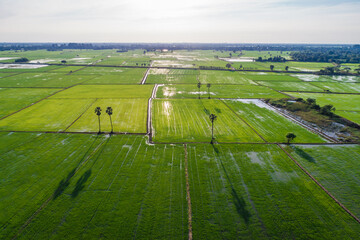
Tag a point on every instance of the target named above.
point(187, 20)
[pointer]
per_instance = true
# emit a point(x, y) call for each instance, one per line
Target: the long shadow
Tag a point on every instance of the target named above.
point(238, 200)
point(80, 184)
point(64, 183)
point(303, 154)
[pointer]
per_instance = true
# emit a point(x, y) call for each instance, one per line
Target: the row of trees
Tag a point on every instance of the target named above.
point(109, 111)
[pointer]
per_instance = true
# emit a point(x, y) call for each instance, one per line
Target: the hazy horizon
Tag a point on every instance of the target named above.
point(159, 21)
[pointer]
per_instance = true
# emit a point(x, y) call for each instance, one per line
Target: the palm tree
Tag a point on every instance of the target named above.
point(272, 67)
point(98, 113)
point(109, 111)
point(208, 86)
point(212, 119)
point(290, 136)
point(199, 86)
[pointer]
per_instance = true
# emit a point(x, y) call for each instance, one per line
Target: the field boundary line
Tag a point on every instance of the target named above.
point(33, 103)
point(329, 93)
point(146, 74)
point(149, 114)
point(188, 193)
point(319, 184)
point(63, 132)
point(243, 121)
point(257, 82)
point(81, 115)
point(31, 218)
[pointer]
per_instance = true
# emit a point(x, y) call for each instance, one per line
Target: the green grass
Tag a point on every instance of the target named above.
point(323, 78)
point(339, 87)
point(272, 77)
point(339, 101)
point(257, 192)
point(223, 77)
point(29, 70)
point(271, 125)
point(126, 190)
point(31, 171)
point(47, 115)
point(172, 78)
point(43, 80)
point(351, 115)
point(66, 69)
point(217, 91)
point(129, 115)
point(338, 172)
point(132, 77)
point(14, 99)
point(105, 70)
point(106, 91)
point(188, 121)
point(291, 86)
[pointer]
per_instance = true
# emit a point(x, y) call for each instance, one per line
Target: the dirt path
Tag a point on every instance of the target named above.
point(146, 74)
point(149, 116)
point(321, 186)
point(188, 198)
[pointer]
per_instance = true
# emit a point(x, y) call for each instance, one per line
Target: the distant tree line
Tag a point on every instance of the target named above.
point(337, 55)
point(271, 59)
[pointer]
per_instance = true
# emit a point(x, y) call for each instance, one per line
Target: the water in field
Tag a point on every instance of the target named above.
point(21, 66)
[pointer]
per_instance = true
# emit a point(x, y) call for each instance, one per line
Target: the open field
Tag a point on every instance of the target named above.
point(14, 99)
point(106, 91)
point(47, 115)
point(223, 77)
point(140, 187)
point(339, 101)
point(188, 121)
point(338, 172)
point(257, 192)
point(158, 176)
point(217, 91)
point(129, 115)
point(291, 86)
point(43, 80)
point(269, 124)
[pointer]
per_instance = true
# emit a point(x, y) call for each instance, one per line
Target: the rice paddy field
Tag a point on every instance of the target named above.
point(159, 174)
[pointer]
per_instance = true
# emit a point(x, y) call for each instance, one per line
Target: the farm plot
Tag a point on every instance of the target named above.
point(130, 77)
point(43, 80)
point(129, 115)
point(317, 78)
point(223, 77)
point(106, 91)
point(127, 190)
point(353, 116)
point(91, 70)
point(338, 172)
point(47, 115)
point(19, 68)
point(33, 169)
point(339, 101)
point(339, 87)
point(257, 192)
point(66, 69)
point(13, 99)
point(291, 86)
point(217, 91)
point(172, 78)
point(269, 124)
point(272, 77)
point(188, 121)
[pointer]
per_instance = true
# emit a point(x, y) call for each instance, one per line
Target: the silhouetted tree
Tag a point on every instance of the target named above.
point(109, 111)
point(98, 113)
point(287, 68)
point(212, 117)
point(228, 65)
point(199, 86)
point(208, 86)
point(63, 61)
point(272, 67)
point(290, 136)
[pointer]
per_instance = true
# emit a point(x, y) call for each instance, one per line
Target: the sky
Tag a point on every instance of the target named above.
point(207, 21)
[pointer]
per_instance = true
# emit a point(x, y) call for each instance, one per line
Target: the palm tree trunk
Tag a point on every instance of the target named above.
point(212, 130)
point(99, 123)
point(111, 125)
point(209, 92)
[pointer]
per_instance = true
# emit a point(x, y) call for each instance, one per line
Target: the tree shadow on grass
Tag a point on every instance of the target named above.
point(64, 183)
point(303, 154)
point(238, 200)
point(80, 184)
